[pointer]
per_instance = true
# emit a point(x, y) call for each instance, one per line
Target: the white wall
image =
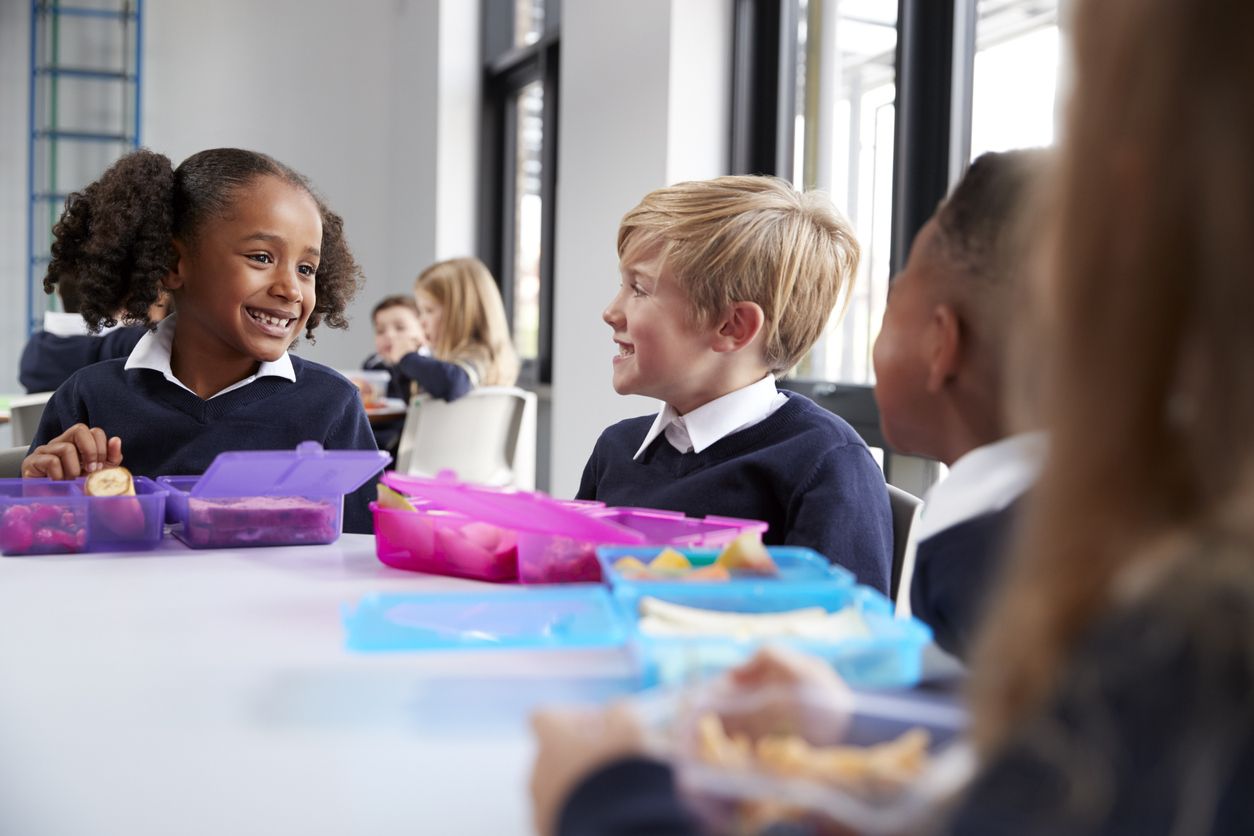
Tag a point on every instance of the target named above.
point(644, 98)
point(356, 96)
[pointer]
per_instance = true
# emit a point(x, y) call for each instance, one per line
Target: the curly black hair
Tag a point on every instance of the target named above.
point(115, 240)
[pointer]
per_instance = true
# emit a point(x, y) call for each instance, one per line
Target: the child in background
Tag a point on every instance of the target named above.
point(940, 381)
point(397, 332)
point(464, 322)
point(64, 345)
point(725, 284)
point(251, 258)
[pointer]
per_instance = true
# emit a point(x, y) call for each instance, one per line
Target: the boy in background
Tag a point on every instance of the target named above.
point(727, 283)
point(65, 345)
point(939, 363)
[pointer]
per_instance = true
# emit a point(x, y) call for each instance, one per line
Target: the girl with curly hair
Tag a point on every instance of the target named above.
point(251, 257)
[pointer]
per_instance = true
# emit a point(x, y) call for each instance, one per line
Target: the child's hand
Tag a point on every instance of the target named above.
point(401, 346)
point(570, 745)
point(76, 452)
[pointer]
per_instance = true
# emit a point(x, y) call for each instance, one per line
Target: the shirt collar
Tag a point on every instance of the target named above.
point(717, 419)
point(61, 324)
point(985, 480)
point(154, 348)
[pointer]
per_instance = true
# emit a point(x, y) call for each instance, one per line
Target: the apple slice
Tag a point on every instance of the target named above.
point(117, 510)
point(747, 554)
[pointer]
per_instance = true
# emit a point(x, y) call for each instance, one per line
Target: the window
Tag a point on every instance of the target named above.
point(1017, 62)
point(519, 155)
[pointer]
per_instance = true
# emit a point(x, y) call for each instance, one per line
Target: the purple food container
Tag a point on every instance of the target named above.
point(269, 497)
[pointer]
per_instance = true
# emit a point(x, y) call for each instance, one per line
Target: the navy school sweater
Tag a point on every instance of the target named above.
point(953, 571)
point(48, 360)
point(166, 430)
point(803, 470)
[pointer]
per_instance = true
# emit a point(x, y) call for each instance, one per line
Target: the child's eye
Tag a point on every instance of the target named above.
point(308, 270)
point(263, 258)
point(636, 289)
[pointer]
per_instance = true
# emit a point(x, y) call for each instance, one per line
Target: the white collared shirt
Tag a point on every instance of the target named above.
point(61, 324)
point(717, 419)
point(985, 480)
point(154, 348)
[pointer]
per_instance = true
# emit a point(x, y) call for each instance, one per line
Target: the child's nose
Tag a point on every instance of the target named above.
point(612, 315)
point(286, 285)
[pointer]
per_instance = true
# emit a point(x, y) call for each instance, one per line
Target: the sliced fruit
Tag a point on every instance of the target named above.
point(389, 498)
point(713, 572)
point(747, 554)
point(112, 481)
point(630, 566)
point(669, 560)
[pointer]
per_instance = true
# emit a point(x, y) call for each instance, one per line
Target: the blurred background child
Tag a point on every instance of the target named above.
point(66, 344)
point(397, 332)
point(463, 320)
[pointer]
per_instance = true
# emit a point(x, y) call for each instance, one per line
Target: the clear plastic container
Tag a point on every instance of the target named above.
point(269, 497)
point(890, 655)
point(804, 578)
point(741, 790)
point(557, 540)
point(557, 557)
point(127, 523)
point(41, 516)
point(371, 383)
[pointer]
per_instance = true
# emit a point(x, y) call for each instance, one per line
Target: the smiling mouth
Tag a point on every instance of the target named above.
point(625, 349)
point(270, 319)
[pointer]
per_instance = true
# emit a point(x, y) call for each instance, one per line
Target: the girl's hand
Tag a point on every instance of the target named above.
point(570, 745)
point(76, 452)
point(400, 347)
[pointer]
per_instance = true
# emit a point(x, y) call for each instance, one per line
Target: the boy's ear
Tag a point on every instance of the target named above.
point(945, 348)
point(174, 279)
point(739, 326)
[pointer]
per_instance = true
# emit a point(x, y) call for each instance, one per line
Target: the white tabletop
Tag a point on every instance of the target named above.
point(209, 692)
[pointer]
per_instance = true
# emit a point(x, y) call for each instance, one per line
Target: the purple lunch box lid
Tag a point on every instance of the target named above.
point(526, 511)
point(306, 471)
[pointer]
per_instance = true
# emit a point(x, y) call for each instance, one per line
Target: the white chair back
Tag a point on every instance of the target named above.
point(11, 459)
point(24, 414)
point(487, 437)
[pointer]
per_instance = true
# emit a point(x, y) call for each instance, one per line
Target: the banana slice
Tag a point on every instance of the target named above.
point(112, 481)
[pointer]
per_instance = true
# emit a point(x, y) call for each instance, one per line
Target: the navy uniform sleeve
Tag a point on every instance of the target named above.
point(63, 410)
point(633, 797)
point(1150, 731)
point(588, 482)
point(352, 432)
point(841, 511)
point(446, 381)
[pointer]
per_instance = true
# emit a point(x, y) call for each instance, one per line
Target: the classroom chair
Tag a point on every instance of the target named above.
point(24, 414)
point(487, 437)
point(11, 462)
point(903, 505)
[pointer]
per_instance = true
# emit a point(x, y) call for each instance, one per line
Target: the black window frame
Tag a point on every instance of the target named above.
point(762, 133)
point(507, 69)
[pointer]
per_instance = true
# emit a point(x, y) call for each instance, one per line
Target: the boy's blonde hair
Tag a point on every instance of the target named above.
point(750, 239)
point(473, 326)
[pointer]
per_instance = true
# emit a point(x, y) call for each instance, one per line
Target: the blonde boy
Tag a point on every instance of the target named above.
point(727, 283)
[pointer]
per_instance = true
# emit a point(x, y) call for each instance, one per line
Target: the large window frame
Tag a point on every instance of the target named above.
point(507, 69)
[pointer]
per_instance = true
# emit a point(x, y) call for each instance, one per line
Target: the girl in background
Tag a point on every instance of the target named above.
point(463, 319)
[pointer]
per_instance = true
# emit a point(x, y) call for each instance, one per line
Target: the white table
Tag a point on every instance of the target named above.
point(209, 692)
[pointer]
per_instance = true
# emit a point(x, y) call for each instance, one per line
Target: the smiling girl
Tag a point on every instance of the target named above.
point(251, 258)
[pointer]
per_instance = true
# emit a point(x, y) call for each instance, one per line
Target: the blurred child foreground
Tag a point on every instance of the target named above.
point(725, 284)
point(251, 258)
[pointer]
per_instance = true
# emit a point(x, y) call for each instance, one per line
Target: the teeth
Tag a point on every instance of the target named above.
point(269, 320)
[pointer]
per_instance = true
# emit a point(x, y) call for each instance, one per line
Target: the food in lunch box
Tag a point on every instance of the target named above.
point(665, 619)
point(867, 770)
point(121, 514)
point(389, 498)
point(261, 519)
point(42, 528)
point(744, 555)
